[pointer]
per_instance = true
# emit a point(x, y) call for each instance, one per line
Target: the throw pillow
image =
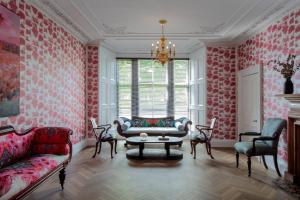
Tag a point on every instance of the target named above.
point(179, 126)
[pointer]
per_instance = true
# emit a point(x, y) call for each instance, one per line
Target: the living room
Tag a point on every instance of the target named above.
point(126, 99)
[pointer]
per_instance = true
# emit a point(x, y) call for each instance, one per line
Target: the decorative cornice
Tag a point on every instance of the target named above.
point(268, 18)
point(51, 10)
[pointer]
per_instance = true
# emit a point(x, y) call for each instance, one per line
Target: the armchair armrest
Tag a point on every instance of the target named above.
point(119, 126)
point(248, 134)
point(262, 138)
point(104, 126)
point(186, 124)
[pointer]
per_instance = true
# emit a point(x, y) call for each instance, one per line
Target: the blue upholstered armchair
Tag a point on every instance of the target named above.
point(265, 144)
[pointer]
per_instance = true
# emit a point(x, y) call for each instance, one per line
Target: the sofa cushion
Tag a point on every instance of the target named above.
point(51, 135)
point(22, 174)
point(261, 148)
point(5, 184)
point(14, 147)
point(51, 140)
point(179, 126)
point(125, 126)
point(153, 122)
point(153, 130)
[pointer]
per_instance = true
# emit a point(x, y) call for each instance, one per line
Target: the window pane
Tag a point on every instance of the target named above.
point(124, 88)
point(153, 94)
point(181, 88)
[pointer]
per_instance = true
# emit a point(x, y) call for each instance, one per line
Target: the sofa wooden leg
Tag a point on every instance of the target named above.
point(62, 177)
point(237, 159)
point(180, 144)
point(249, 166)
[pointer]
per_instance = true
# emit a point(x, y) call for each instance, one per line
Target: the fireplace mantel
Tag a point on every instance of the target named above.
point(293, 133)
point(294, 104)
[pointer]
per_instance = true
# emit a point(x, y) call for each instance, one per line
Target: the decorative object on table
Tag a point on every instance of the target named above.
point(144, 136)
point(266, 143)
point(163, 51)
point(163, 137)
point(9, 63)
point(203, 136)
point(102, 135)
point(287, 69)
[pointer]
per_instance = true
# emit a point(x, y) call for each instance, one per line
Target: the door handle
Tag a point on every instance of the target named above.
point(254, 120)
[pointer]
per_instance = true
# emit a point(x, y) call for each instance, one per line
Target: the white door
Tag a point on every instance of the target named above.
point(249, 100)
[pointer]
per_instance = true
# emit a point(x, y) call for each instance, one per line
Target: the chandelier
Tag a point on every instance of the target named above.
point(163, 51)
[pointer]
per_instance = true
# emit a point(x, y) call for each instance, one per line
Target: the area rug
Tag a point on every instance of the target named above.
point(288, 187)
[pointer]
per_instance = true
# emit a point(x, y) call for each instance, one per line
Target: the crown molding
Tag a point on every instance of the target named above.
point(266, 20)
point(52, 11)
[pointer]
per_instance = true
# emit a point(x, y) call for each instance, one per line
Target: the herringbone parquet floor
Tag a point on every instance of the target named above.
point(103, 178)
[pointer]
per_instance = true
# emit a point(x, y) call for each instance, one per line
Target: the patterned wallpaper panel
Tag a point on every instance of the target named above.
point(221, 90)
point(276, 41)
point(93, 87)
point(52, 74)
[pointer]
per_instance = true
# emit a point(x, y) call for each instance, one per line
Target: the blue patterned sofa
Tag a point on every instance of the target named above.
point(153, 126)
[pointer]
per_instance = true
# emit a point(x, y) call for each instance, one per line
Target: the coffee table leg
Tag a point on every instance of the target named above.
point(141, 148)
point(167, 147)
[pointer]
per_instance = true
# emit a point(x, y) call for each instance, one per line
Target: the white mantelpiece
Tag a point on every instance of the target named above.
point(294, 103)
point(293, 134)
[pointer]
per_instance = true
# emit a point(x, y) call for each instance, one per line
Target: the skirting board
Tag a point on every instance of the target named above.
point(79, 146)
point(223, 143)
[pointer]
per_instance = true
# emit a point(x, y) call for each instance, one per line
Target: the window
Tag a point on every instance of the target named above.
point(124, 87)
point(181, 88)
point(152, 88)
point(153, 93)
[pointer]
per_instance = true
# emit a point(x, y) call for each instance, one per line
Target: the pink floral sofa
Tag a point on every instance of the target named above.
point(28, 159)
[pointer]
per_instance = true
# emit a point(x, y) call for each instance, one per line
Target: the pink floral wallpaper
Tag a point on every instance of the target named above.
point(52, 73)
point(276, 41)
point(221, 90)
point(93, 81)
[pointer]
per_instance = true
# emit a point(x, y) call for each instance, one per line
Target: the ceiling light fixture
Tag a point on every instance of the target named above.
point(162, 51)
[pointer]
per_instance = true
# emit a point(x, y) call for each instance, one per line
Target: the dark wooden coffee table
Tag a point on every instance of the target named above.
point(150, 153)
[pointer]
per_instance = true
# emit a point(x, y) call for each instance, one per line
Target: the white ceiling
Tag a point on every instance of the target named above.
point(130, 26)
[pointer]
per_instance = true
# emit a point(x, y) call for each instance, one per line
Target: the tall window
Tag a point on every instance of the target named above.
point(124, 87)
point(181, 88)
point(153, 93)
point(153, 88)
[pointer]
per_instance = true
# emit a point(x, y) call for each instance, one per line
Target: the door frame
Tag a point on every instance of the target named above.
point(256, 69)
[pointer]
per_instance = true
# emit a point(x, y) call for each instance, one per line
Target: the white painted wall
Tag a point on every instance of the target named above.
point(107, 86)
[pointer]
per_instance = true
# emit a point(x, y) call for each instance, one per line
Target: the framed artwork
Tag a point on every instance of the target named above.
point(9, 63)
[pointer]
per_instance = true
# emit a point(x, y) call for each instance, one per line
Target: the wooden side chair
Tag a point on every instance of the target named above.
point(102, 135)
point(265, 144)
point(203, 136)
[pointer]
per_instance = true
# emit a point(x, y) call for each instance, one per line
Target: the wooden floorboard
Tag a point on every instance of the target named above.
point(103, 178)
